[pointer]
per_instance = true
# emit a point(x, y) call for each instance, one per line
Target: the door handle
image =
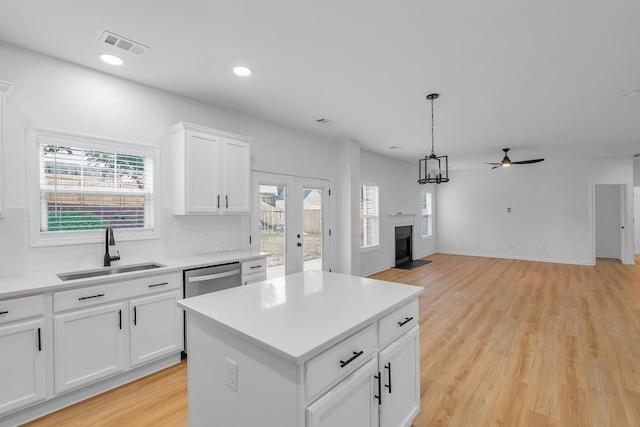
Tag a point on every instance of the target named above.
point(379, 396)
point(388, 367)
point(299, 244)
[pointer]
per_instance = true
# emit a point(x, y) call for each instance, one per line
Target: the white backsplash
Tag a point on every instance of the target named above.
point(179, 236)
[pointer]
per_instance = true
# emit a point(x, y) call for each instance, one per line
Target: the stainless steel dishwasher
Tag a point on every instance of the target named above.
point(214, 278)
point(210, 279)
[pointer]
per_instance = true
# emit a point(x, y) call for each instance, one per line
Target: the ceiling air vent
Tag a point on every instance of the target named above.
point(325, 121)
point(122, 43)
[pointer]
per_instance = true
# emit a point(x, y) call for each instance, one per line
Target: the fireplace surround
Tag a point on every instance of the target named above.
point(403, 244)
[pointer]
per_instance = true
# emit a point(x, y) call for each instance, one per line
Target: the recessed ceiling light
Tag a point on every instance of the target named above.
point(631, 93)
point(242, 71)
point(111, 59)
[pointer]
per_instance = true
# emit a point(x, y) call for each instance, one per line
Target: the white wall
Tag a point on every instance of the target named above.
point(549, 218)
point(399, 192)
point(607, 220)
point(636, 198)
point(54, 94)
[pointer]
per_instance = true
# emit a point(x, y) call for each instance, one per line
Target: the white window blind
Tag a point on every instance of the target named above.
point(369, 216)
point(425, 213)
point(88, 186)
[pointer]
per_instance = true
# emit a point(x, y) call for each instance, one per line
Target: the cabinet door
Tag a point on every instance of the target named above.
point(236, 176)
point(22, 364)
point(156, 327)
point(400, 371)
point(89, 345)
point(202, 171)
point(351, 403)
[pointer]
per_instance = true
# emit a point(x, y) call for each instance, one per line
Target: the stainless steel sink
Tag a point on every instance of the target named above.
point(107, 271)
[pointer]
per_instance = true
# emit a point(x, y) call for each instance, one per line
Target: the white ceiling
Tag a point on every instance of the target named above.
point(544, 77)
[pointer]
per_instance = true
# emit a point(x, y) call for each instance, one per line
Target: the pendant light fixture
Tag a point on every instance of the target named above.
point(433, 169)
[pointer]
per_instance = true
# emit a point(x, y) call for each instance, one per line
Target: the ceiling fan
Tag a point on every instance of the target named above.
point(506, 161)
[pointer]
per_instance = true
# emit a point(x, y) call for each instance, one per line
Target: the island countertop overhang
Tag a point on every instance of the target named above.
point(299, 315)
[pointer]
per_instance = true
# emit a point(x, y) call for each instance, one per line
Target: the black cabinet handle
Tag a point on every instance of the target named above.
point(218, 201)
point(226, 198)
point(388, 367)
point(256, 266)
point(158, 284)
point(4, 312)
point(135, 316)
point(92, 296)
point(406, 320)
point(39, 341)
point(355, 355)
point(379, 396)
point(120, 319)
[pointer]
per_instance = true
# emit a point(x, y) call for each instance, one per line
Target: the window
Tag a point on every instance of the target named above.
point(369, 216)
point(87, 184)
point(426, 217)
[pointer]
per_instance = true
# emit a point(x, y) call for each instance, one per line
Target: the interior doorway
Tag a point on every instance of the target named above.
point(610, 207)
point(291, 223)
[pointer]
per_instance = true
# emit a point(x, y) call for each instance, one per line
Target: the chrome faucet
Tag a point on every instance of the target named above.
point(109, 241)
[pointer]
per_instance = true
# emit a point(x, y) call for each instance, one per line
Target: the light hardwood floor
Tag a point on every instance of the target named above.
point(503, 343)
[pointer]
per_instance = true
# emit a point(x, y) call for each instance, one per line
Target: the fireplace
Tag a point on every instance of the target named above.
point(403, 244)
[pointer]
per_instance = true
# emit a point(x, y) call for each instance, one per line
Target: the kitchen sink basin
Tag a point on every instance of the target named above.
point(108, 271)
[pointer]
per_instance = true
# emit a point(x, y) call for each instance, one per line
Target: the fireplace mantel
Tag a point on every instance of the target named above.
point(401, 219)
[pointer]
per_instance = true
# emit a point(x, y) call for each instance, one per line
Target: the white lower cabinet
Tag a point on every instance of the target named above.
point(155, 327)
point(89, 345)
point(349, 404)
point(105, 329)
point(399, 367)
point(385, 392)
point(22, 364)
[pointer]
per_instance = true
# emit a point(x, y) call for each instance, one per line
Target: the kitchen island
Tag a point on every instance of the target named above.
point(310, 349)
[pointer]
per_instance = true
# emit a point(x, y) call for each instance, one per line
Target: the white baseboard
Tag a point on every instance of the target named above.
point(377, 270)
point(551, 260)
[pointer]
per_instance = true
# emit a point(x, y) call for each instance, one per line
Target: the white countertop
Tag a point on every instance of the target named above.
point(295, 316)
point(11, 287)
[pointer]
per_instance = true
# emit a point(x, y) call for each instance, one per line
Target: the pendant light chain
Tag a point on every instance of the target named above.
point(432, 135)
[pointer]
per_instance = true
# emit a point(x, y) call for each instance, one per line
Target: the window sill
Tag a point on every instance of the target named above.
point(370, 249)
point(429, 237)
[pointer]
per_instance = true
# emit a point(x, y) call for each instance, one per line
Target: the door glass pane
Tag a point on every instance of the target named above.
point(272, 228)
point(312, 228)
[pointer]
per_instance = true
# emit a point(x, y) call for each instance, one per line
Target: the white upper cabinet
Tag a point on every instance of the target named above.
point(5, 89)
point(212, 170)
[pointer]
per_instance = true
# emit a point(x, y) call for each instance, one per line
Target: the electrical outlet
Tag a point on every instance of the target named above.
point(232, 374)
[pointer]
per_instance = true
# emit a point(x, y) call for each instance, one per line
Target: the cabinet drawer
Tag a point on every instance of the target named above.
point(150, 285)
point(21, 308)
point(253, 278)
point(339, 360)
point(99, 294)
point(255, 266)
point(395, 324)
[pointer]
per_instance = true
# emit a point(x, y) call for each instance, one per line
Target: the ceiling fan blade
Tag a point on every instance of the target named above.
point(487, 163)
point(496, 167)
point(526, 162)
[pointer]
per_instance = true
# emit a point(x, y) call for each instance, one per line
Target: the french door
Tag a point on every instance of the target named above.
point(291, 222)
